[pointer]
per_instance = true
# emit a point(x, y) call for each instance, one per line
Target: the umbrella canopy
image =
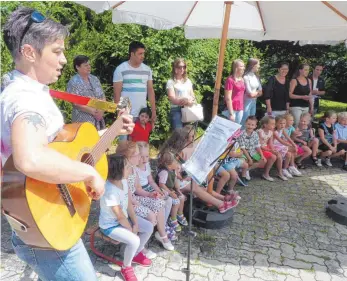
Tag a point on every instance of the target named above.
point(251, 20)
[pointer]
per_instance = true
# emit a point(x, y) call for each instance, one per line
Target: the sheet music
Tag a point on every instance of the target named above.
point(212, 144)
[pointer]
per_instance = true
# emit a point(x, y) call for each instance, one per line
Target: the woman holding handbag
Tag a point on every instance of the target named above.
point(180, 92)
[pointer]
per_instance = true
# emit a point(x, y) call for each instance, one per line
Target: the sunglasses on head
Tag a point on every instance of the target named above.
point(36, 17)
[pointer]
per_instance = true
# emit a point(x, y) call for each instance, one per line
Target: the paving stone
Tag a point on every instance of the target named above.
point(231, 272)
point(174, 274)
point(269, 275)
point(297, 264)
point(321, 273)
point(306, 275)
point(310, 258)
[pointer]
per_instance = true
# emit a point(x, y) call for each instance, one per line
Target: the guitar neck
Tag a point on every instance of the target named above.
point(105, 142)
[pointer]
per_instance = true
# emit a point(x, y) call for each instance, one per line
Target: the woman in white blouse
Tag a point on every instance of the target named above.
point(253, 88)
point(180, 92)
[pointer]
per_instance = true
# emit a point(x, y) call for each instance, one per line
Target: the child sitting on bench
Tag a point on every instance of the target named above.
point(117, 218)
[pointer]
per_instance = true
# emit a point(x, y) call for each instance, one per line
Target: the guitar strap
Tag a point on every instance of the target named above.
point(81, 100)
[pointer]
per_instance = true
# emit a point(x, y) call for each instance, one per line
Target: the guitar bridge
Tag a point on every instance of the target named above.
point(65, 194)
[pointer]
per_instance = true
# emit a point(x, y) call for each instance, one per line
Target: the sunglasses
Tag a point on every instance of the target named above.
point(181, 66)
point(36, 17)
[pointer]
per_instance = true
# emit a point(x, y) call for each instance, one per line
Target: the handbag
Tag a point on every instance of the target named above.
point(192, 113)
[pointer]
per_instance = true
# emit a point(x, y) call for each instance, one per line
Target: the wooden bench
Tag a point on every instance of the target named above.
point(94, 231)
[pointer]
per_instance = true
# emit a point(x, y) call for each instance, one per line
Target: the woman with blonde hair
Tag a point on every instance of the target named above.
point(234, 91)
point(253, 88)
point(180, 92)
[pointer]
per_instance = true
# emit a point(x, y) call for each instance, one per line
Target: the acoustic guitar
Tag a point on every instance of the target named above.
point(54, 216)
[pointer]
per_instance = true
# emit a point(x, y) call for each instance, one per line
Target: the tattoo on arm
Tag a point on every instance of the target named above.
point(35, 119)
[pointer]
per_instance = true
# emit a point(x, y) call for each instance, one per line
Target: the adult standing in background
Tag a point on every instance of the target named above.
point(86, 84)
point(318, 86)
point(300, 93)
point(253, 88)
point(234, 90)
point(276, 93)
point(180, 92)
point(133, 79)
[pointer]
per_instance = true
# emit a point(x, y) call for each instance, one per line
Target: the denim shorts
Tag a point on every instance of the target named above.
point(232, 164)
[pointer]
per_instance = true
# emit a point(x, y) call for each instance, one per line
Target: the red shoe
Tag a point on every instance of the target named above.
point(128, 273)
point(141, 259)
point(227, 205)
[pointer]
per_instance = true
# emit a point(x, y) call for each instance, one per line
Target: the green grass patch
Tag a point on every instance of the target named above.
point(325, 105)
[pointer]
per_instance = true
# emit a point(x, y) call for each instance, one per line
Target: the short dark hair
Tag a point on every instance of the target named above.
point(38, 35)
point(252, 118)
point(78, 60)
point(133, 46)
point(146, 110)
point(318, 64)
point(116, 165)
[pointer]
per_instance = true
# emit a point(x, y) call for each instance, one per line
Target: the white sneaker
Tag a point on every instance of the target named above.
point(149, 254)
point(318, 162)
point(282, 177)
point(294, 171)
point(287, 174)
point(168, 246)
point(248, 177)
point(328, 162)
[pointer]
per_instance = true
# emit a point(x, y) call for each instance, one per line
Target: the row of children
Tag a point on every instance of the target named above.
point(277, 141)
point(134, 203)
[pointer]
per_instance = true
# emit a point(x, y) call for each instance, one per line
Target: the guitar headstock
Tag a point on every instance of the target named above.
point(124, 102)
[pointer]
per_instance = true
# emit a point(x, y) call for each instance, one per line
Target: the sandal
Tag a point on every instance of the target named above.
point(182, 220)
point(168, 246)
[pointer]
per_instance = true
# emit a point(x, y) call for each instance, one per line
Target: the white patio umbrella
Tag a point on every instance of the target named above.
point(304, 21)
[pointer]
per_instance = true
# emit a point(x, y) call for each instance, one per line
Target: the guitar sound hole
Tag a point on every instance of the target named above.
point(88, 159)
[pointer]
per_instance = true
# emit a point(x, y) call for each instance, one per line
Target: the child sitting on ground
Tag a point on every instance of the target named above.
point(148, 184)
point(341, 135)
point(305, 139)
point(285, 145)
point(327, 135)
point(143, 126)
point(117, 218)
point(266, 141)
point(250, 146)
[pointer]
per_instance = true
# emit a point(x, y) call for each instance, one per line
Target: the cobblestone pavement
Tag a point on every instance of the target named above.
point(279, 232)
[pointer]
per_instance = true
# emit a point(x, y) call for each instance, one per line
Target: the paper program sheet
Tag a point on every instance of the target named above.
point(212, 144)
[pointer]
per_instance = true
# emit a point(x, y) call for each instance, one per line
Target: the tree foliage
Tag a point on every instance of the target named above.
point(106, 44)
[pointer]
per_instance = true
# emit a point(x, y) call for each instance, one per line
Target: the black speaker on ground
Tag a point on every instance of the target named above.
point(336, 209)
point(207, 217)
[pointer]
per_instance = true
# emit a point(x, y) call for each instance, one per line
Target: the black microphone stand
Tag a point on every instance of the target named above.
point(192, 234)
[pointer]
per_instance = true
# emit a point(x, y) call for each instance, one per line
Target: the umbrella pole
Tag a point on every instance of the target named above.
point(219, 73)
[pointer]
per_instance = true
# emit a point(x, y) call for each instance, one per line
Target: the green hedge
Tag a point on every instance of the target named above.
point(107, 46)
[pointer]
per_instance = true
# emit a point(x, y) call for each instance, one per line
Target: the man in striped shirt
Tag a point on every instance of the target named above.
point(133, 79)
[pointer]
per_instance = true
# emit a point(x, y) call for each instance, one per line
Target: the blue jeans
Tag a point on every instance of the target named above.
point(176, 118)
point(250, 109)
point(52, 265)
point(238, 115)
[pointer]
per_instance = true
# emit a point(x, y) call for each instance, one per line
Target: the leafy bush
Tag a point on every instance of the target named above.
point(107, 46)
